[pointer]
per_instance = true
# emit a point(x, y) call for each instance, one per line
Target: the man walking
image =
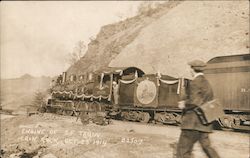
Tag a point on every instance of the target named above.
point(198, 92)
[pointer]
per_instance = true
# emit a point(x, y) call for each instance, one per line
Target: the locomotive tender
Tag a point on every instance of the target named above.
point(153, 97)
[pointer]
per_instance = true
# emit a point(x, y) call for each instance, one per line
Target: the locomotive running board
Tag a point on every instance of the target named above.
point(150, 109)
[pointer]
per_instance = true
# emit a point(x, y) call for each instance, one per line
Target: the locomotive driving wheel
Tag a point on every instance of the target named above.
point(144, 117)
point(68, 112)
point(226, 121)
point(59, 111)
point(84, 118)
point(100, 118)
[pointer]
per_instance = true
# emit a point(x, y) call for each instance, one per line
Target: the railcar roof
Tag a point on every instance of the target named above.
point(231, 58)
point(117, 70)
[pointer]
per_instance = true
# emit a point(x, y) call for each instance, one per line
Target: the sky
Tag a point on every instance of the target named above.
point(37, 37)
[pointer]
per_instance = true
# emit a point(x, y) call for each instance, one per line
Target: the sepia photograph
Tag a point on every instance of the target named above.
point(125, 79)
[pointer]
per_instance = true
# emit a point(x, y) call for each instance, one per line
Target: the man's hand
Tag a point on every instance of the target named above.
point(181, 104)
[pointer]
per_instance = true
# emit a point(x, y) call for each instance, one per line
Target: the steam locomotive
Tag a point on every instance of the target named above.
point(130, 94)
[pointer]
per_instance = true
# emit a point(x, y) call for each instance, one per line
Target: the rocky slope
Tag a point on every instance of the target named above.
point(165, 38)
point(192, 30)
point(112, 39)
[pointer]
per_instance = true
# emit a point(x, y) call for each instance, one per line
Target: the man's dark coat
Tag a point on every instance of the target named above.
point(198, 91)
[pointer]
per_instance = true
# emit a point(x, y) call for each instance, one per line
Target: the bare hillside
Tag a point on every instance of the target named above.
point(113, 38)
point(192, 30)
point(165, 38)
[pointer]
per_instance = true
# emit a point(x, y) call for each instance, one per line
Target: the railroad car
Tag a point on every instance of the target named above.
point(230, 80)
point(150, 97)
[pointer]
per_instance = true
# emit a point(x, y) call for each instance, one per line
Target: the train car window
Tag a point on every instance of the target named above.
point(72, 78)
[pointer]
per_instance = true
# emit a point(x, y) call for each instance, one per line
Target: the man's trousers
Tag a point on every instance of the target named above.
point(187, 140)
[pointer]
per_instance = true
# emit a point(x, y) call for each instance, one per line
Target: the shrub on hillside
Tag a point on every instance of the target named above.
point(39, 100)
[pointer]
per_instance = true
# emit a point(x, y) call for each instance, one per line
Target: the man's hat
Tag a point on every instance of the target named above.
point(197, 65)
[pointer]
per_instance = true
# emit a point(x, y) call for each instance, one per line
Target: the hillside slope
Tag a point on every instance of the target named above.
point(114, 37)
point(192, 30)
